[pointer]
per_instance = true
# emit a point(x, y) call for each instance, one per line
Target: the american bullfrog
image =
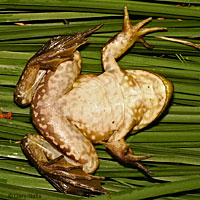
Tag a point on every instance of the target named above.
point(73, 111)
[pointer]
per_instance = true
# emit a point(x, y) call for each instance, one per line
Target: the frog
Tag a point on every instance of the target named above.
point(74, 111)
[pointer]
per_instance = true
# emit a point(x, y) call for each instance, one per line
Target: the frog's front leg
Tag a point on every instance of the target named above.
point(120, 43)
point(122, 152)
point(133, 97)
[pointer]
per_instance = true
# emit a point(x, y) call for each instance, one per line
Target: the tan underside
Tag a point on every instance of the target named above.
point(95, 105)
point(156, 91)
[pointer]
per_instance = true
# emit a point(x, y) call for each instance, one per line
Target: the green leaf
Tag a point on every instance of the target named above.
point(154, 191)
point(174, 138)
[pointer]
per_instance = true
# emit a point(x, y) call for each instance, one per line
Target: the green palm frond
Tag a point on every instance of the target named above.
point(174, 138)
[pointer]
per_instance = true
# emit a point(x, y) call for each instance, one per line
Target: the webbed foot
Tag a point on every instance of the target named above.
point(64, 176)
point(71, 179)
point(56, 51)
point(60, 49)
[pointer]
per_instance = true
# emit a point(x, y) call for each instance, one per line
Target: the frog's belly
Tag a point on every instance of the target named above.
point(95, 106)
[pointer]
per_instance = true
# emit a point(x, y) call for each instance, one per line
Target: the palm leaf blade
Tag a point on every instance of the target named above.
point(173, 138)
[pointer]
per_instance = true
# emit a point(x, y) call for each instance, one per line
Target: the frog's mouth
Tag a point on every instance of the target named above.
point(156, 91)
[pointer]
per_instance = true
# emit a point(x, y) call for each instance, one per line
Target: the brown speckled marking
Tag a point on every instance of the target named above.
point(132, 93)
point(88, 114)
point(27, 84)
point(64, 135)
point(40, 150)
point(154, 95)
point(72, 110)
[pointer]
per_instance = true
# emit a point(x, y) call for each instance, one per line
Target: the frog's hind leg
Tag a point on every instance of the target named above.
point(54, 167)
point(57, 50)
point(78, 151)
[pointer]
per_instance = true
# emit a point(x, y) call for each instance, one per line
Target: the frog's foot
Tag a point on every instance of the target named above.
point(129, 35)
point(60, 49)
point(56, 51)
point(121, 151)
point(65, 177)
point(70, 179)
point(136, 32)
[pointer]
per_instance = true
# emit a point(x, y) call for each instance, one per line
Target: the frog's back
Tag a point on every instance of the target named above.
point(95, 105)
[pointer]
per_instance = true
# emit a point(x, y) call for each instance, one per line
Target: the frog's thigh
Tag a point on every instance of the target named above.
point(69, 140)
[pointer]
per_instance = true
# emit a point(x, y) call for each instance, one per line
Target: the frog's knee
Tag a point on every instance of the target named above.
point(92, 163)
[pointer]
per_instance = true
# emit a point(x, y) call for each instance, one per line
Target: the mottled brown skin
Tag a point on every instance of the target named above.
point(73, 111)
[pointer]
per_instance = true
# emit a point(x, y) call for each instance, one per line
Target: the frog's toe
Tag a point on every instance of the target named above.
point(71, 179)
point(60, 49)
point(137, 31)
point(134, 160)
point(64, 176)
point(141, 40)
point(120, 150)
